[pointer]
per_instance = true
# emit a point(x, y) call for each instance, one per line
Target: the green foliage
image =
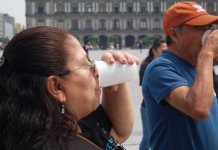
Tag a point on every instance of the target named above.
point(148, 40)
point(93, 39)
point(4, 41)
point(78, 38)
point(114, 39)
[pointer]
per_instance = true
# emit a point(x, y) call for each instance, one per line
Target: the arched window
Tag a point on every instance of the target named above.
point(116, 8)
point(88, 24)
point(88, 8)
point(102, 8)
point(116, 24)
point(143, 24)
point(210, 8)
point(40, 22)
point(60, 23)
point(60, 6)
point(102, 24)
point(157, 24)
point(75, 24)
point(40, 8)
point(129, 24)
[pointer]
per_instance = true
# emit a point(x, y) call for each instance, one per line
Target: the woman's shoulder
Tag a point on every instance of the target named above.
point(82, 143)
point(74, 142)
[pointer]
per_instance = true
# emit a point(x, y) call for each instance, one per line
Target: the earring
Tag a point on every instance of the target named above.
point(62, 109)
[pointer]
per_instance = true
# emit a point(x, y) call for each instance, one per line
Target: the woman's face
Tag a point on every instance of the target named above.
point(81, 85)
point(157, 52)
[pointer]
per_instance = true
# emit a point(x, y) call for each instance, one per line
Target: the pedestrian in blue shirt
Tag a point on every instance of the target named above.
point(178, 86)
point(156, 49)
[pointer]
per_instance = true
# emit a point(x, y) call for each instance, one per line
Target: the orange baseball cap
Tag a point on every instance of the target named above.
point(189, 13)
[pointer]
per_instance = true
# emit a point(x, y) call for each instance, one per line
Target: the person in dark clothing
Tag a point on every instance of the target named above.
point(87, 46)
point(140, 46)
point(156, 49)
point(50, 96)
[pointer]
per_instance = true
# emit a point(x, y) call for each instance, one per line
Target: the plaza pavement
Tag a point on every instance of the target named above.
point(133, 142)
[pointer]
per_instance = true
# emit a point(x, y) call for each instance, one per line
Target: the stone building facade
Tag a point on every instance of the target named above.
point(7, 26)
point(123, 22)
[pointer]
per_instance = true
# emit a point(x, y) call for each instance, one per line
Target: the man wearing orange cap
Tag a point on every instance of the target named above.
point(178, 86)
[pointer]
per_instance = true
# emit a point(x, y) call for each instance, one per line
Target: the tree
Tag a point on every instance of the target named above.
point(148, 40)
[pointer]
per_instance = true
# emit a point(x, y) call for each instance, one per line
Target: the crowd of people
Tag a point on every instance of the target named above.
point(50, 97)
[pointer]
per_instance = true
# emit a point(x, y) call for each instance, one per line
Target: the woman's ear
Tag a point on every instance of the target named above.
point(55, 88)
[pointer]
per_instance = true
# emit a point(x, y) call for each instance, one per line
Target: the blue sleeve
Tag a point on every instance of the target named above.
point(162, 79)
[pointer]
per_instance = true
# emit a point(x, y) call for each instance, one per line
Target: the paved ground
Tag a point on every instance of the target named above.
point(133, 142)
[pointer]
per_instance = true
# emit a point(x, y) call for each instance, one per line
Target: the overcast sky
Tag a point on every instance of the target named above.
point(15, 8)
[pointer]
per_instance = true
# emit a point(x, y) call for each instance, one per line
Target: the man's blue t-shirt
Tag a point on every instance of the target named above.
point(170, 128)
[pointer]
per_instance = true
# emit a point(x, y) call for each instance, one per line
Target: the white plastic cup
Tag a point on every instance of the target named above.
point(112, 74)
point(204, 37)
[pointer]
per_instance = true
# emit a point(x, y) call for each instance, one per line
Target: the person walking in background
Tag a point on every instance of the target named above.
point(87, 46)
point(111, 47)
point(50, 96)
point(140, 46)
point(178, 85)
point(156, 49)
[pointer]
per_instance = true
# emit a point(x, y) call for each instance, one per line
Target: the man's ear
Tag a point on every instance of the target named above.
point(55, 88)
point(173, 34)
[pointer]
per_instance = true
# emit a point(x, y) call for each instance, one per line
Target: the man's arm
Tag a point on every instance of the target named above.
point(196, 100)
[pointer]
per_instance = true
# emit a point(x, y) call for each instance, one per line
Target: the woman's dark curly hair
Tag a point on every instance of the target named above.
point(29, 114)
